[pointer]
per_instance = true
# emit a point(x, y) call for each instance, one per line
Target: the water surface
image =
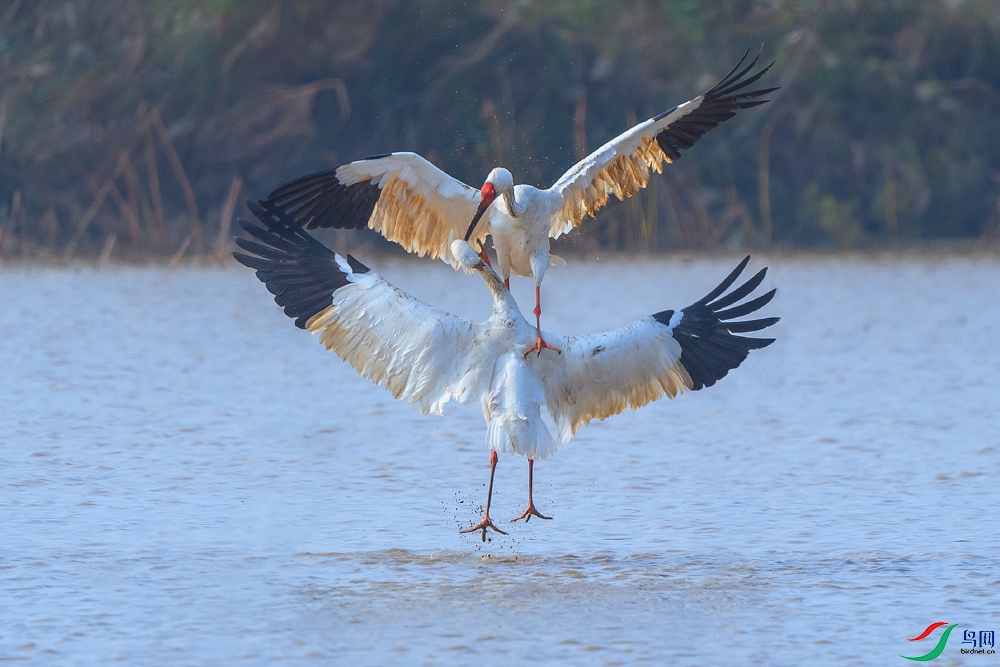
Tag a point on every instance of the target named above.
point(186, 478)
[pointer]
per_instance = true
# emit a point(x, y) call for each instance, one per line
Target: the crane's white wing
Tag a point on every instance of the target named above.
point(622, 166)
point(420, 354)
point(664, 354)
point(402, 196)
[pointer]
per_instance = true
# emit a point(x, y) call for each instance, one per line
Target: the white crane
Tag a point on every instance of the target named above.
point(410, 201)
point(428, 357)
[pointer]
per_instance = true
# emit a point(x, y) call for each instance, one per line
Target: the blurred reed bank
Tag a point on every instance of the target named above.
point(132, 129)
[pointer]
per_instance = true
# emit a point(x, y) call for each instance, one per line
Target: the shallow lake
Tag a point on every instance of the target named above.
point(186, 478)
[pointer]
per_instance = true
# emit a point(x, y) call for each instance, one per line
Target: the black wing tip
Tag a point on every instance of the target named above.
point(736, 79)
point(737, 66)
point(748, 326)
point(716, 304)
point(244, 224)
point(726, 91)
point(243, 243)
point(710, 347)
point(321, 200)
point(740, 292)
point(268, 208)
point(746, 307)
point(729, 280)
point(245, 260)
point(356, 266)
point(289, 188)
point(255, 207)
point(301, 273)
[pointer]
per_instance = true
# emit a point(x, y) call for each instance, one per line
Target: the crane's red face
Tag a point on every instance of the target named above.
point(488, 194)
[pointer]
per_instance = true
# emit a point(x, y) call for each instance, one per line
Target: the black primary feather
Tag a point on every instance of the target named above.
point(320, 200)
point(718, 104)
point(709, 346)
point(298, 270)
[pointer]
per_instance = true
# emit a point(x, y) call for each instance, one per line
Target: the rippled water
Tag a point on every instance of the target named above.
point(186, 478)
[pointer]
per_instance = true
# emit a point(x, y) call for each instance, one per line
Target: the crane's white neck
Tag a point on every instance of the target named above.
point(503, 301)
point(468, 258)
point(509, 201)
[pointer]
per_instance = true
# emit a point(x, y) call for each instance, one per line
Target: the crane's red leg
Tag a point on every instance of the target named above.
point(486, 522)
point(506, 283)
point(540, 343)
point(531, 511)
point(483, 256)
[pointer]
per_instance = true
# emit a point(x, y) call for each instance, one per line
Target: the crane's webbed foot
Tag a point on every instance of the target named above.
point(483, 525)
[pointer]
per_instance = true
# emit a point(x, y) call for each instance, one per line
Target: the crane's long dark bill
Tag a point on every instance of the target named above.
point(483, 205)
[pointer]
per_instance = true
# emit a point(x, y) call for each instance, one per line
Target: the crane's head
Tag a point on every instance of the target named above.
point(501, 180)
point(498, 182)
point(470, 260)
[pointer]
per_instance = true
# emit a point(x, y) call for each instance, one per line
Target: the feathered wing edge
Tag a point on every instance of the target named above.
point(418, 353)
point(301, 273)
point(622, 166)
point(662, 355)
point(402, 196)
point(710, 346)
point(717, 105)
point(320, 200)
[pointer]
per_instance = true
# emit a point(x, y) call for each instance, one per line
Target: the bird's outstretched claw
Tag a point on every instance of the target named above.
point(530, 512)
point(540, 345)
point(483, 525)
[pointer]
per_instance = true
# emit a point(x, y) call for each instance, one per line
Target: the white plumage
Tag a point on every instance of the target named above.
point(427, 357)
point(410, 201)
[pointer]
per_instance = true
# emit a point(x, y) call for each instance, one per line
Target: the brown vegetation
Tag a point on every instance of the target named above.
point(133, 128)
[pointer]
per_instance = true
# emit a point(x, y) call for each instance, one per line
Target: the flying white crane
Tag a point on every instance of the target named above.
point(410, 201)
point(428, 357)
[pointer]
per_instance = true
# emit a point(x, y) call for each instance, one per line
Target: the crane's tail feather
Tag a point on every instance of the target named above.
point(510, 434)
point(297, 269)
point(706, 332)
